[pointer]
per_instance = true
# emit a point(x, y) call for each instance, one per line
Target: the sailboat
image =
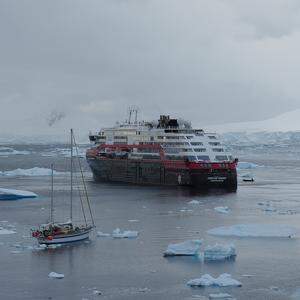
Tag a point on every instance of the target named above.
point(57, 233)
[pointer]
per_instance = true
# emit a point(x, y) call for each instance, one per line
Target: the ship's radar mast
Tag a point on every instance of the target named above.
point(133, 115)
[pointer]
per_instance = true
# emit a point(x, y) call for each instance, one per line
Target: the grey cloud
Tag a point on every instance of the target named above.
point(197, 59)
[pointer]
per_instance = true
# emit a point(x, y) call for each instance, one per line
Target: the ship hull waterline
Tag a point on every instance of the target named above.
point(155, 173)
point(65, 239)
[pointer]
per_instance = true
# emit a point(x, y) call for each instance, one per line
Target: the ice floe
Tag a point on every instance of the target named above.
point(36, 171)
point(194, 202)
point(117, 233)
point(243, 165)
point(219, 252)
point(255, 230)
point(207, 280)
point(189, 247)
point(56, 275)
point(103, 234)
point(11, 194)
point(223, 296)
point(5, 151)
point(222, 209)
point(4, 231)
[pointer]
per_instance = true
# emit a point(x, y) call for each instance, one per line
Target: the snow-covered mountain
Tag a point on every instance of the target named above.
point(282, 129)
point(289, 121)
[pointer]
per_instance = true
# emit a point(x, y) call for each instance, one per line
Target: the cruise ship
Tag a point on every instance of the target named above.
point(166, 152)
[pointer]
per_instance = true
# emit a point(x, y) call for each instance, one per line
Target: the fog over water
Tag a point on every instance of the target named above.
point(81, 63)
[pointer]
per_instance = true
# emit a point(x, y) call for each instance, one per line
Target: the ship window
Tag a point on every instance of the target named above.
point(199, 149)
point(151, 156)
point(214, 143)
point(218, 149)
point(186, 150)
point(203, 157)
point(120, 137)
point(174, 157)
point(190, 158)
point(196, 143)
point(160, 137)
point(101, 137)
point(221, 157)
point(212, 137)
point(117, 143)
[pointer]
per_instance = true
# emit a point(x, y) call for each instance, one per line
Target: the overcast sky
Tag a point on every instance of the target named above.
point(83, 62)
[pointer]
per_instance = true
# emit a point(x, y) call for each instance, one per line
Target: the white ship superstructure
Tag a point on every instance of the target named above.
point(178, 139)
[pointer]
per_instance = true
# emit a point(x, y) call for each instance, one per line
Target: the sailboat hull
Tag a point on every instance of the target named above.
point(60, 239)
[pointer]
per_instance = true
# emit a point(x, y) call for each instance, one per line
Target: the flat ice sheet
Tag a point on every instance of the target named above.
point(10, 194)
point(207, 280)
point(36, 171)
point(255, 230)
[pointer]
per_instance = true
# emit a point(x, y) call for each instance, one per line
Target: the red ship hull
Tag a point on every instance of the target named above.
point(161, 171)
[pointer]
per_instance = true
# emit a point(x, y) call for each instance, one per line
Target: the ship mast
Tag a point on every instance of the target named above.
point(71, 192)
point(51, 203)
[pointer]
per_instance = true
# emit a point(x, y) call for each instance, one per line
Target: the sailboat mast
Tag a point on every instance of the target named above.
point(51, 204)
point(71, 192)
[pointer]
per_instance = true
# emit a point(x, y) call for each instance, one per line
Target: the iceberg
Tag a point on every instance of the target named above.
point(11, 194)
point(222, 281)
point(220, 296)
point(222, 209)
point(219, 252)
point(189, 247)
point(56, 275)
point(255, 230)
point(36, 171)
point(6, 231)
point(125, 234)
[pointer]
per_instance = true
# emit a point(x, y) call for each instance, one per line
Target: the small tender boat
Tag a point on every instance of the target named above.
point(57, 233)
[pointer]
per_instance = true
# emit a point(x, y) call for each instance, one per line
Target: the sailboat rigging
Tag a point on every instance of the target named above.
point(54, 232)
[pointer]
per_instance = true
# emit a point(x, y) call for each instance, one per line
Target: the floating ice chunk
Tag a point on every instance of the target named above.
point(6, 231)
point(222, 209)
point(15, 252)
point(11, 194)
point(125, 234)
point(97, 293)
point(255, 230)
point(219, 252)
point(242, 165)
point(220, 296)
point(5, 151)
point(56, 275)
point(190, 247)
point(29, 172)
point(194, 202)
point(102, 234)
point(221, 281)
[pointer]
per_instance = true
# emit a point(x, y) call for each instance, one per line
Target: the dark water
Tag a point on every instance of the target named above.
point(136, 268)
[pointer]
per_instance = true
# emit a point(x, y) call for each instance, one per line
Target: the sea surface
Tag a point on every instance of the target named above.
point(268, 268)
